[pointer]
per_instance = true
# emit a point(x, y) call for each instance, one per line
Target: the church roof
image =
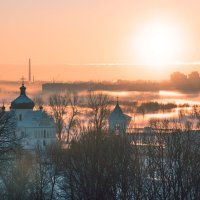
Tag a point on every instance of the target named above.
point(117, 114)
point(22, 102)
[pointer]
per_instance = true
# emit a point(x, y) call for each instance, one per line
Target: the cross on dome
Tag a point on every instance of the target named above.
point(22, 79)
point(22, 102)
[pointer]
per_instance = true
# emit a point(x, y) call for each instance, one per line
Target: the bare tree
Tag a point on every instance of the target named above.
point(196, 111)
point(8, 140)
point(65, 111)
point(15, 177)
point(58, 105)
point(99, 105)
point(73, 112)
point(42, 176)
point(39, 102)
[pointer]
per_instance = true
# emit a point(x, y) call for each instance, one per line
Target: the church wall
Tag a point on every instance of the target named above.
point(33, 136)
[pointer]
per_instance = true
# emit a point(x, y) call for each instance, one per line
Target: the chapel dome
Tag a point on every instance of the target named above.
point(117, 114)
point(22, 102)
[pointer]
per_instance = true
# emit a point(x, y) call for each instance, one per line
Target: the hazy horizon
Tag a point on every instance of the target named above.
point(93, 72)
point(66, 39)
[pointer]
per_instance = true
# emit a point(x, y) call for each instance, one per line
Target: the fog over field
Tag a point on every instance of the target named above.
point(130, 101)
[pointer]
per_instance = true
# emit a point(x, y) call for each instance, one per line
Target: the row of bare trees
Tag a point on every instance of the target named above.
point(165, 166)
point(65, 109)
point(100, 166)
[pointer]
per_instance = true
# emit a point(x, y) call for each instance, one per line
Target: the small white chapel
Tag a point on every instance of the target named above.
point(118, 121)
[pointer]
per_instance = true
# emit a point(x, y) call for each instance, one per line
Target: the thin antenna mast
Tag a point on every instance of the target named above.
point(29, 70)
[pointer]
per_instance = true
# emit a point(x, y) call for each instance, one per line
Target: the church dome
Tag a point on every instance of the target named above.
point(22, 102)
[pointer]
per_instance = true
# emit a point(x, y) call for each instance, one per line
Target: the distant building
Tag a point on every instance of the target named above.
point(118, 121)
point(34, 127)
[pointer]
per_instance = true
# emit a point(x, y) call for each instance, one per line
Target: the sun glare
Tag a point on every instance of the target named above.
point(158, 44)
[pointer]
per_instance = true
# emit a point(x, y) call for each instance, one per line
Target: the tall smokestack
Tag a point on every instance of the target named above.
point(29, 70)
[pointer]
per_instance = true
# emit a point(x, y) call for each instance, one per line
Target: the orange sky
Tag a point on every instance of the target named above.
point(58, 35)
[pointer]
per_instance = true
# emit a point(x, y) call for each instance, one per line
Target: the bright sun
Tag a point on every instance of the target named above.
point(158, 44)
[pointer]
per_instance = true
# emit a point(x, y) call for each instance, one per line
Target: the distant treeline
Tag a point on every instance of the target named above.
point(109, 86)
point(151, 107)
point(178, 81)
point(190, 82)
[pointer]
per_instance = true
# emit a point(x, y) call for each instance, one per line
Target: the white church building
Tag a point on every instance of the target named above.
point(33, 127)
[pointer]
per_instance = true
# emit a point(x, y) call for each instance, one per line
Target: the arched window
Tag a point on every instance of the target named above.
point(44, 133)
point(117, 127)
